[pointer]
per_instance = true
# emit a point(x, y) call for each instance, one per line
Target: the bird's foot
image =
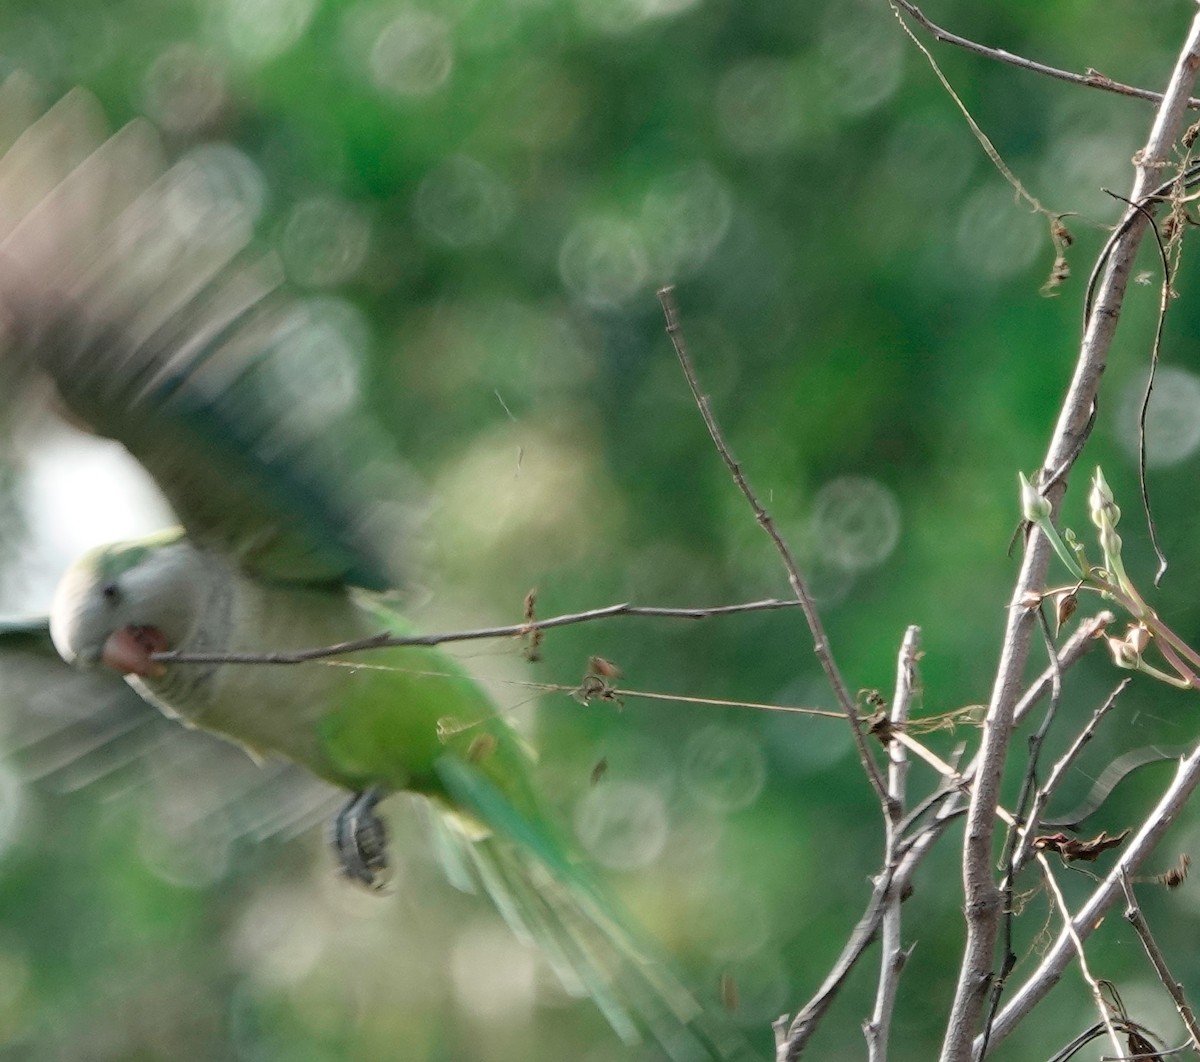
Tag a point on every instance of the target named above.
point(360, 840)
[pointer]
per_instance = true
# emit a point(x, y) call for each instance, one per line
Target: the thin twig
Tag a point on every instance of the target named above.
point(387, 640)
point(1092, 79)
point(1068, 656)
point(982, 897)
point(1059, 770)
point(1164, 302)
point(893, 955)
point(1077, 942)
point(666, 296)
point(1135, 918)
point(983, 139)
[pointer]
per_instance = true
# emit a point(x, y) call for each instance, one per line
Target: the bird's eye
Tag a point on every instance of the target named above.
point(111, 593)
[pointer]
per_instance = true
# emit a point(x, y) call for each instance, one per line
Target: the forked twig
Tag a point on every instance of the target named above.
point(1092, 79)
point(950, 802)
point(1091, 914)
point(1134, 915)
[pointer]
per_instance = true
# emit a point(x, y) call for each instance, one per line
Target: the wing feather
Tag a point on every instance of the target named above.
point(134, 286)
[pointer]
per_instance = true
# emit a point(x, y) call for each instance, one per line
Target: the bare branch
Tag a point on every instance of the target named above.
point(1058, 772)
point(982, 899)
point(1070, 654)
point(387, 640)
point(666, 296)
point(893, 954)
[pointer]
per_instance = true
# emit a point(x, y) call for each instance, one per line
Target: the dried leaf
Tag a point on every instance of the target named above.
point(1073, 849)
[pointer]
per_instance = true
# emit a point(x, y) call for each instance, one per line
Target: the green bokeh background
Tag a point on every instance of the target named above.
point(860, 289)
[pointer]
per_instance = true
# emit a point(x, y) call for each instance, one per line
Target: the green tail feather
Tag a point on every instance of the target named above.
point(549, 901)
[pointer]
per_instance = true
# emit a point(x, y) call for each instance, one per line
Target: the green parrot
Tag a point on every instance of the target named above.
point(131, 286)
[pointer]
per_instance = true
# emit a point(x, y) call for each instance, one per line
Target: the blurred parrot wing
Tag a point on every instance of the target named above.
point(62, 729)
point(550, 901)
point(132, 286)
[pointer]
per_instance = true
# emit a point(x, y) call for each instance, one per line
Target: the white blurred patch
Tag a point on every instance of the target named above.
point(184, 89)
point(324, 242)
point(622, 825)
point(318, 375)
point(723, 769)
point(259, 30)
point(622, 16)
point(75, 492)
point(1172, 420)
point(855, 523)
point(495, 976)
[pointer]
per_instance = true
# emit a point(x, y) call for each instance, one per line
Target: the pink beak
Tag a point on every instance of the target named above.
point(128, 651)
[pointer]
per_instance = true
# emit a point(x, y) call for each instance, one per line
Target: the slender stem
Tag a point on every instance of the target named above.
point(1060, 902)
point(666, 297)
point(893, 955)
point(1136, 919)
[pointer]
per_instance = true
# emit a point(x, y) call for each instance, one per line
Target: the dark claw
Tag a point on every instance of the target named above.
point(360, 840)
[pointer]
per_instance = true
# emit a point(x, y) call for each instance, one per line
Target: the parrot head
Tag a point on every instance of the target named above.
point(118, 604)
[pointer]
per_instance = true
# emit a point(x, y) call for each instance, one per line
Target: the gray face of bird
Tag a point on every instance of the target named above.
point(120, 603)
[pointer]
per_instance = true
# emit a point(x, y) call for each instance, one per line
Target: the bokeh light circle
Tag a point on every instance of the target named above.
point(412, 55)
point(324, 242)
point(685, 215)
point(855, 523)
point(1172, 419)
point(862, 58)
point(622, 825)
point(760, 105)
point(723, 769)
point(216, 191)
point(184, 89)
point(997, 237)
point(603, 261)
point(463, 203)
